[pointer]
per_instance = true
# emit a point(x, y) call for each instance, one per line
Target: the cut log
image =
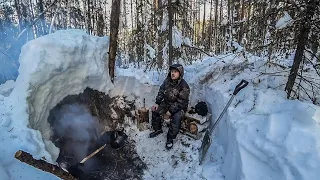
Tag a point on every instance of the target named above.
point(43, 165)
point(143, 115)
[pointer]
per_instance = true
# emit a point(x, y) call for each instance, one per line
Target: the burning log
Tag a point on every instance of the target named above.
point(43, 165)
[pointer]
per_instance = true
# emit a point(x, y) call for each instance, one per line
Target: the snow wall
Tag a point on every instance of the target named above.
point(264, 135)
point(51, 68)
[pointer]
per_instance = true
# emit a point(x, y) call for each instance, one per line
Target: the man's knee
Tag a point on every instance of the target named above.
point(156, 113)
point(177, 117)
point(175, 124)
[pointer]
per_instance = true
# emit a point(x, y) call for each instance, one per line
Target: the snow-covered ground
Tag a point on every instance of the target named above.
point(262, 136)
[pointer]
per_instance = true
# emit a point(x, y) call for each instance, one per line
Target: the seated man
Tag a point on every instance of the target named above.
point(173, 96)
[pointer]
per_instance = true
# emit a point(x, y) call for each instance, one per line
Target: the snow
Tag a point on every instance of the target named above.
point(284, 21)
point(165, 21)
point(181, 162)
point(178, 39)
point(151, 51)
point(6, 88)
point(262, 135)
point(51, 68)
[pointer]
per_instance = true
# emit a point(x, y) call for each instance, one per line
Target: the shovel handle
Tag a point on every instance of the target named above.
point(240, 86)
point(92, 154)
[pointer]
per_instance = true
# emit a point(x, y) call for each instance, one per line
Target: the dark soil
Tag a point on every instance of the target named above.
point(110, 163)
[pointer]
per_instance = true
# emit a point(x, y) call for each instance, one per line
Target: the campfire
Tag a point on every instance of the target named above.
point(88, 130)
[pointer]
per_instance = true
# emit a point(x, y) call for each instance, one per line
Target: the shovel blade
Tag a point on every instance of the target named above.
point(206, 142)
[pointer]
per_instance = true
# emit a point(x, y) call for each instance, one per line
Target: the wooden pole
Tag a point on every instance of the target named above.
point(92, 154)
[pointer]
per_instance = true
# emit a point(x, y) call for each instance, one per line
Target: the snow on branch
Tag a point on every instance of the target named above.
point(197, 48)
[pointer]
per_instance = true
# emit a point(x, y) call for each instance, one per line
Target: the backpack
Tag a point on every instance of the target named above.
point(201, 108)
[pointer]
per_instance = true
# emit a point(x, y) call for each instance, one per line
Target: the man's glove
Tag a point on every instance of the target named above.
point(154, 107)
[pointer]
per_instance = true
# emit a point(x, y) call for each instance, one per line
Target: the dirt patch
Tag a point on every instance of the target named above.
point(110, 112)
point(78, 122)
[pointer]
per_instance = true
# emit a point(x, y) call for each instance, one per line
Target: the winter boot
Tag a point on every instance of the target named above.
point(169, 144)
point(155, 133)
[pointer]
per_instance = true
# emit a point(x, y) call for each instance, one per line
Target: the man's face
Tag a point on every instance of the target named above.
point(174, 74)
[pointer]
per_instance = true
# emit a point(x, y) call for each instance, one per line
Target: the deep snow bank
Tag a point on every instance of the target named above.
point(263, 135)
point(51, 68)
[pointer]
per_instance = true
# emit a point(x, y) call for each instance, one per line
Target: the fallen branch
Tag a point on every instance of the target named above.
point(312, 83)
point(312, 54)
point(276, 64)
point(305, 90)
point(314, 66)
point(43, 165)
point(270, 73)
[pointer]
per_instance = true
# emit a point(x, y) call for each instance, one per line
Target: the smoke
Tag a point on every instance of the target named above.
point(77, 127)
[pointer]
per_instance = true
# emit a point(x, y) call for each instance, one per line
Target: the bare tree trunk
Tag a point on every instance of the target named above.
point(210, 27)
point(17, 6)
point(215, 34)
point(42, 20)
point(89, 17)
point(132, 14)
point(160, 38)
point(222, 30)
point(314, 44)
point(34, 26)
point(114, 27)
point(170, 17)
point(131, 49)
point(93, 18)
point(305, 26)
point(125, 24)
point(100, 24)
point(68, 13)
point(203, 22)
point(229, 28)
point(199, 25)
point(248, 24)
point(241, 19)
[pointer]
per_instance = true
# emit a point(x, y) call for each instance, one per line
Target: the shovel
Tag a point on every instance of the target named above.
point(206, 142)
point(76, 171)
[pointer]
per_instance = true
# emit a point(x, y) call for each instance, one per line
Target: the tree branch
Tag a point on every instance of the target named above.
point(32, 23)
point(185, 45)
point(6, 55)
point(312, 54)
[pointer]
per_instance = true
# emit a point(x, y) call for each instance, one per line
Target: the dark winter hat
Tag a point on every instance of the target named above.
point(178, 67)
